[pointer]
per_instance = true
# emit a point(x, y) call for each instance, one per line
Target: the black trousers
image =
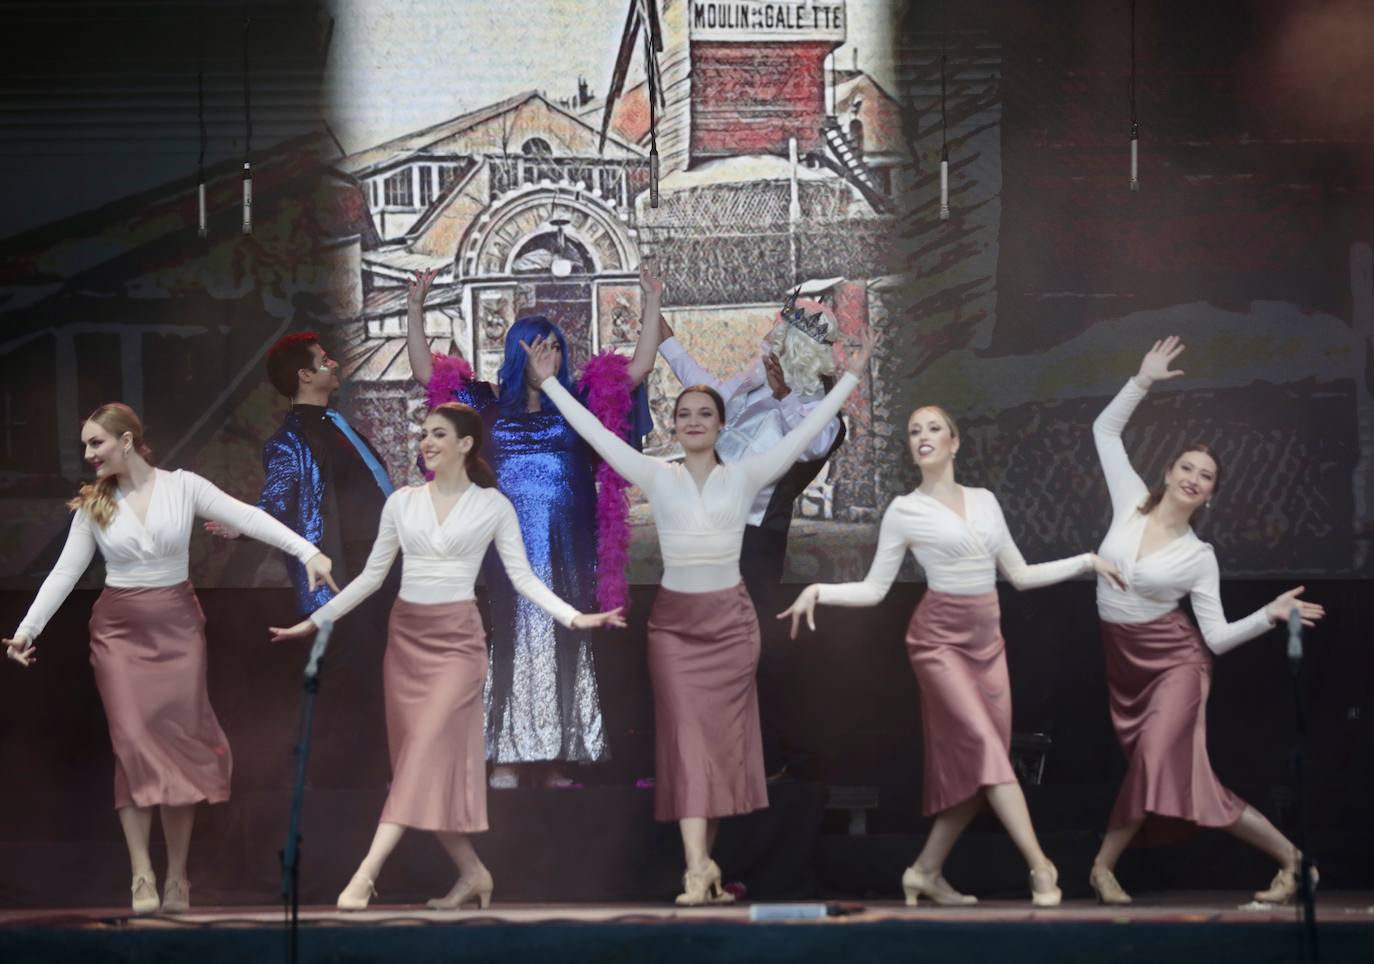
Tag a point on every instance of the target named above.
point(762, 557)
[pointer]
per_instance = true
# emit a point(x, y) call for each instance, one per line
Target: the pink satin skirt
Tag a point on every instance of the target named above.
point(1158, 676)
point(703, 657)
point(148, 654)
point(955, 647)
point(432, 676)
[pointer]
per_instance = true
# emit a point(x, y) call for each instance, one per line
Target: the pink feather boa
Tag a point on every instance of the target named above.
point(449, 375)
point(605, 383)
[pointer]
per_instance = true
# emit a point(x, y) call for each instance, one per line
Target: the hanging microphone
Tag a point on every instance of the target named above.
point(203, 228)
point(312, 665)
point(653, 176)
point(944, 189)
point(1135, 157)
point(247, 198)
point(1294, 637)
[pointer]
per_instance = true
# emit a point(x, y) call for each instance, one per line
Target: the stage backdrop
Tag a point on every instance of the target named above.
point(1022, 313)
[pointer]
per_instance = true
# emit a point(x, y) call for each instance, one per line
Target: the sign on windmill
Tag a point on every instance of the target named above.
point(752, 20)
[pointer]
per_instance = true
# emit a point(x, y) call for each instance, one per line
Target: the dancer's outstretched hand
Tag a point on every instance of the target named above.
point(317, 569)
point(606, 620)
point(222, 530)
point(20, 649)
point(857, 362)
point(1104, 568)
point(418, 288)
point(1154, 367)
point(1309, 612)
point(302, 630)
point(543, 358)
point(804, 606)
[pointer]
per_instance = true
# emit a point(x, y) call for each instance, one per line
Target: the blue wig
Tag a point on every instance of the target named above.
point(511, 379)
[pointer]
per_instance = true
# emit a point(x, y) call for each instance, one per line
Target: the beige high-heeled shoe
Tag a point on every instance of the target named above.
point(477, 890)
point(916, 882)
point(357, 894)
point(176, 896)
point(703, 888)
point(1107, 888)
point(144, 891)
point(1284, 887)
point(1048, 893)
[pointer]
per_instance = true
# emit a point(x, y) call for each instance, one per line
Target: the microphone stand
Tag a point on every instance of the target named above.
point(1307, 905)
point(291, 853)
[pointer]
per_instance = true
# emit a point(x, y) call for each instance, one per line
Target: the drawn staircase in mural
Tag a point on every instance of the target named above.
point(847, 162)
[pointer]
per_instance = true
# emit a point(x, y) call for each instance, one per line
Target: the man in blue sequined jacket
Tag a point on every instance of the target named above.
point(323, 479)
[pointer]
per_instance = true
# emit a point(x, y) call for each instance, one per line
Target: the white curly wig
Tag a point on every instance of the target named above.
point(805, 361)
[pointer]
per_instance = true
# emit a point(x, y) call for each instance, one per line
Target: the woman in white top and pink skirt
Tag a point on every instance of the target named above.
point(955, 645)
point(1159, 666)
point(436, 652)
point(703, 631)
point(148, 637)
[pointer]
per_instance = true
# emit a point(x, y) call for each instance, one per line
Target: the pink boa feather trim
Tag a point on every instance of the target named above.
point(450, 375)
point(605, 383)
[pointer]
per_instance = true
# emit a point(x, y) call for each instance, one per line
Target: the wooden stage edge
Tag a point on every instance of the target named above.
point(1183, 908)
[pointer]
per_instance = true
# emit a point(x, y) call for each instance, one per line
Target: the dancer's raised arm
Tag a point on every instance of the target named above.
point(650, 334)
point(417, 345)
point(767, 466)
point(1127, 489)
point(621, 456)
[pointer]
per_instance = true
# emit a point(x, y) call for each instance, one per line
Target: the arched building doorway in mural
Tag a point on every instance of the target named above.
point(556, 250)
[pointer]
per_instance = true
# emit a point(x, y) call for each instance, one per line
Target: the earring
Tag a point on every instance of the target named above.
point(1208, 505)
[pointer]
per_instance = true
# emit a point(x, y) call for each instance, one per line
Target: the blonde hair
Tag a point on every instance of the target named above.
point(98, 498)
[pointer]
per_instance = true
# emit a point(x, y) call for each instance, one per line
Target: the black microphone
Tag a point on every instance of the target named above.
point(1295, 637)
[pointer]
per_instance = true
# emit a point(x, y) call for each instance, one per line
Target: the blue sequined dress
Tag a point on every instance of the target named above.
point(541, 693)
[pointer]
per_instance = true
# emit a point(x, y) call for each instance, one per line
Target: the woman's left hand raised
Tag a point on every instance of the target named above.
point(857, 362)
point(649, 280)
point(543, 358)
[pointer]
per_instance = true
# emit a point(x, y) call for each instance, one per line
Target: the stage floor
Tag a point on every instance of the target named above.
point(1183, 908)
point(1176, 927)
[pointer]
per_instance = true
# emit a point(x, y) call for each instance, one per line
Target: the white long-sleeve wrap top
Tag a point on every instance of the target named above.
point(1186, 566)
point(960, 555)
point(441, 562)
point(700, 531)
point(156, 551)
